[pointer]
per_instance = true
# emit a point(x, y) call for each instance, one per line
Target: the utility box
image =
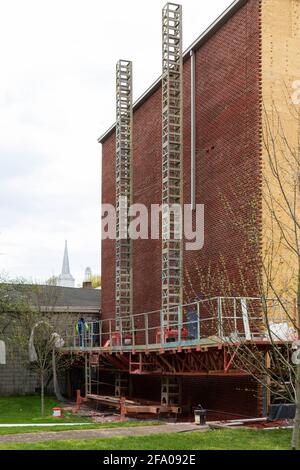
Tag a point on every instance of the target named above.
point(200, 416)
point(57, 412)
point(127, 340)
point(282, 411)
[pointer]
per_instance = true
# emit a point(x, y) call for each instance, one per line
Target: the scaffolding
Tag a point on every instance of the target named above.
point(170, 391)
point(123, 306)
point(218, 320)
point(171, 159)
point(208, 341)
point(121, 385)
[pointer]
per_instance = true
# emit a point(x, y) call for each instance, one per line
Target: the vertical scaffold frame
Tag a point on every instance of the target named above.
point(123, 299)
point(171, 158)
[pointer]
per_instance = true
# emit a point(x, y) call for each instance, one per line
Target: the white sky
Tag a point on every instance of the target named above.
point(57, 91)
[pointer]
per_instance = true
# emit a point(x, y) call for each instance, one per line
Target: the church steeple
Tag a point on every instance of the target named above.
point(66, 266)
point(66, 279)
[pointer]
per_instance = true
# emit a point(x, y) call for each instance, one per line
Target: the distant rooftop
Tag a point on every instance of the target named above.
point(54, 297)
point(72, 297)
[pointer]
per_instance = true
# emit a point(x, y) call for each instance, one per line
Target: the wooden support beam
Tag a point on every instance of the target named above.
point(135, 409)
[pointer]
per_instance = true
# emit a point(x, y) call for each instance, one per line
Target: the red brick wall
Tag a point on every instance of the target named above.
point(147, 190)
point(224, 397)
point(228, 161)
point(228, 149)
point(108, 246)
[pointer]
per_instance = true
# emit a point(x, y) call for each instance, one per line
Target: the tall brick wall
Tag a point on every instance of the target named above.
point(228, 149)
point(146, 190)
point(147, 185)
point(280, 73)
point(108, 255)
point(228, 162)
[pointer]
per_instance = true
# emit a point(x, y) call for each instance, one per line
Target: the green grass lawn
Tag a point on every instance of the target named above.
point(26, 410)
point(242, 439)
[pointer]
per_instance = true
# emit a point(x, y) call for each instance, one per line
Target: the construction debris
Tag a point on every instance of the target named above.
point(258, 423)
point(134, 406)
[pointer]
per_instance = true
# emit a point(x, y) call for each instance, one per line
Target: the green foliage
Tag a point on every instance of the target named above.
point(12, 304)
point(52, 281)
point(96, 281)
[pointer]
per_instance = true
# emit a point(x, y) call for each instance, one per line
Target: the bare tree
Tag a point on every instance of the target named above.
point(281, 198)
point(35, 333)
point(10, 305)
point(274, 261)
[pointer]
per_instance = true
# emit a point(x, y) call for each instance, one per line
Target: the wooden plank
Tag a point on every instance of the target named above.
point(142, 409)
point(111, 401)
point(134, 406)
point(170, 409)
point(153, 409)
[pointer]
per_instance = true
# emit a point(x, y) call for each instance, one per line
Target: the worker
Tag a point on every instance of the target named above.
point(81, 328)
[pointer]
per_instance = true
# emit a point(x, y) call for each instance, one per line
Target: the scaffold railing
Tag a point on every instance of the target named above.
point(229, 320)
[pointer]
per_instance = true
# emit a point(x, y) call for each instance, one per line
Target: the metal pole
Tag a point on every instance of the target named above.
point(86, 373)
point(132, 332)
point(146, 330)
point(220, 319)
point(92, 335)
point(121, 333)
point(199, 324)
point(162, 339)
point(110, 335)
point(193, 130)
point(179, 323)
point(234, 313)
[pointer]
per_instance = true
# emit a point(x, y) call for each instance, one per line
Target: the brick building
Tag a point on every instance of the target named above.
point(61, 307)
point(233, 71)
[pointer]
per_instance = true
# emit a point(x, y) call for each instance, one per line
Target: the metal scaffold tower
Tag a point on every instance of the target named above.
point(123, 192)
point(170, 391)
point(171, 158)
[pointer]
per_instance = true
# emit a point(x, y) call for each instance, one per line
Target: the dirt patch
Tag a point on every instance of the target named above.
point(100, 433)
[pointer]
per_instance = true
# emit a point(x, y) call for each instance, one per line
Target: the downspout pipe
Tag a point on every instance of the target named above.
point(193, 130)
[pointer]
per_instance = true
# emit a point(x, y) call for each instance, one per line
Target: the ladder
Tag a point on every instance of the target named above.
point(123, 306)
point(171, 161)
point(91, 369)
point(170, 391)
point(121, 385)
point(88, 375)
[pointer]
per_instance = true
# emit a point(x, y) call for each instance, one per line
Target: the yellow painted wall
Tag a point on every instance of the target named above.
point(280, 69)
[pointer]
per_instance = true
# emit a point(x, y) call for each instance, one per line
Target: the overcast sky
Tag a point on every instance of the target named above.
point(57, 92)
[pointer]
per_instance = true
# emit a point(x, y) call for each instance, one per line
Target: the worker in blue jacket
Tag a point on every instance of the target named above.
point(81, 328)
